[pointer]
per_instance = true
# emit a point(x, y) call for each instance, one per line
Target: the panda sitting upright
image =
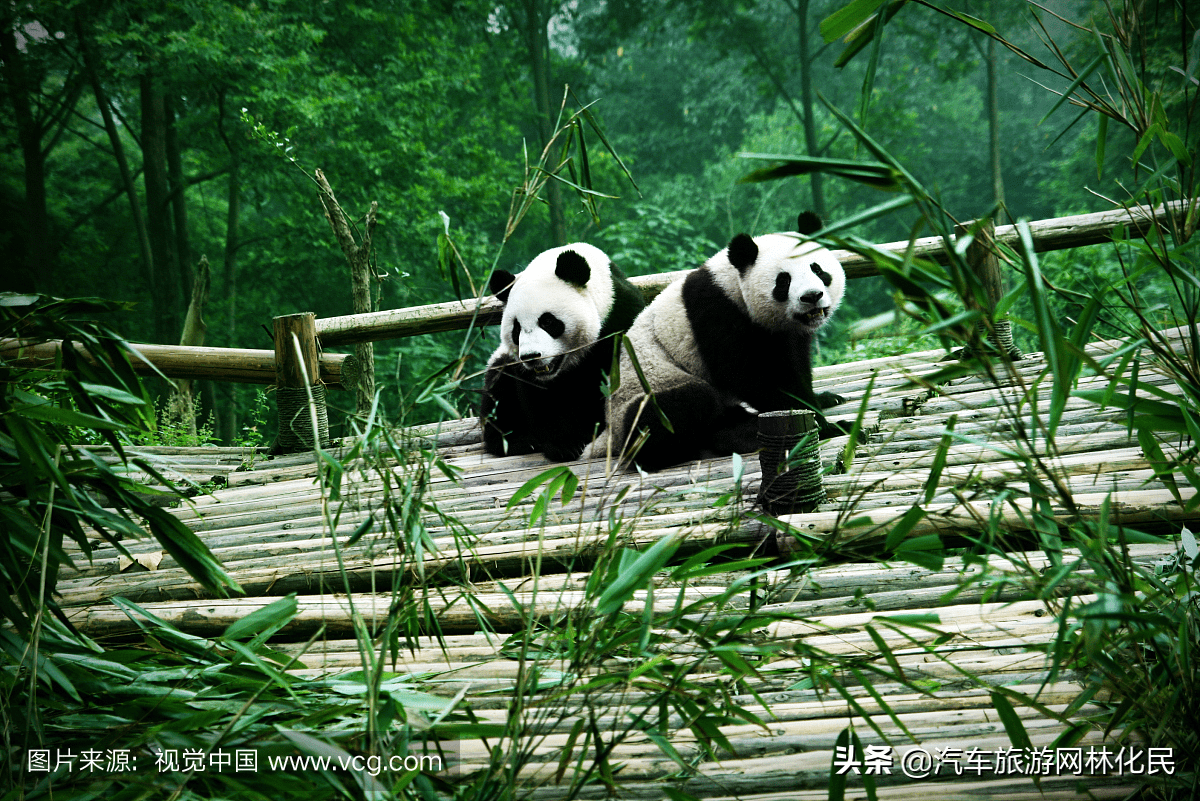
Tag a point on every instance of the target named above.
point(732, 339)
point(542, 390)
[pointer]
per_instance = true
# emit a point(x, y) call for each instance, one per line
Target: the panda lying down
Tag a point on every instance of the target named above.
point(731, 340)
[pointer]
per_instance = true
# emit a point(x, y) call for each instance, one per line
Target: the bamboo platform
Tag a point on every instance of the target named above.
point(268, 520)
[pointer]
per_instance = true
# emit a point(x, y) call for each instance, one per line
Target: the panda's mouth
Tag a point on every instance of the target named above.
point(543, 369)
point(813, 318)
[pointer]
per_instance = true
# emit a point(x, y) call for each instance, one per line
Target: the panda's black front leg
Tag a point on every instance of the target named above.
point(501, 412)
point(801, 359)
point(693, 409)
point(735, 431)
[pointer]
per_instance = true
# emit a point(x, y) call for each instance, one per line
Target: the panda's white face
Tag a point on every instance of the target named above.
point(792, 283)
point(555, 309)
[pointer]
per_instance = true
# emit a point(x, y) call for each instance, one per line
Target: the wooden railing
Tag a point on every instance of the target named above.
point(340, 370)
point(239, 365)
point(1055, 234)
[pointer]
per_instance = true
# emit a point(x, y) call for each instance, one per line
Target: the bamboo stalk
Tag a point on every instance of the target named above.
point(238, 365)
point(1054, 234)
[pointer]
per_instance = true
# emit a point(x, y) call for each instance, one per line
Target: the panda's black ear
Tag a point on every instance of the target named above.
point(500, 284)
point(573, 268)
point(808, 223)
point(742, 252)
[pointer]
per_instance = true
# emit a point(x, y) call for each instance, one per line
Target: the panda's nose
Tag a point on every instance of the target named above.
point(531, 354)
point(813, 296)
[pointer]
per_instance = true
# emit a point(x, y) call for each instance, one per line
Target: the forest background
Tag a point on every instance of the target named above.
point(141, 136)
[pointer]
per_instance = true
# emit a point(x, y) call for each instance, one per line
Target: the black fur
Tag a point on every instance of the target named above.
point(551, 325)
point(808, 223)
point(825, 277)
point(742, 252)
point(500, 284)
point(561, 416)
point(557, 418)
point(783, 283)
point(768, 370)
point(573, 268)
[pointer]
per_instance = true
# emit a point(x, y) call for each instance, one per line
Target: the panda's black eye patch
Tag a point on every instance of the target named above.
point(516, 332)
point(551, 325)
point(825, 277)
point(783, 282)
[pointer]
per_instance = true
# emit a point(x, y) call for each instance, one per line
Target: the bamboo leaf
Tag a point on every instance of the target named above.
point(939, 459)
point(271, 617)
point(1178, 149)
point(847, 18)
point(1144, 142)
point(1070, 90)
point(629, 579)
point(189, 551)
point(568, 749)
point(49, 413)
point(885, 652)
point(532, 484)
point(837, 779)
point(1012, 722)
point(905, 524)
point(974, 22)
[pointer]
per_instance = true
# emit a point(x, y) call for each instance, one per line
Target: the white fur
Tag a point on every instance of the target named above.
point(794, 255)
point(662, 335)
point(583, 311)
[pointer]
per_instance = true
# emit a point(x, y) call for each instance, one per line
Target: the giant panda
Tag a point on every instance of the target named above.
point(543, 385)
point(731, 340)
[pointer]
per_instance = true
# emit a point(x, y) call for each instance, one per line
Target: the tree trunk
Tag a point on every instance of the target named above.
point(114, 140)
point(806, 101)
point(993, 104)
point(227, 421)
point(181, 406)
point(37, 271)
point(537, 40)
point(178, 185)
point(358, 255)
point(158, 220)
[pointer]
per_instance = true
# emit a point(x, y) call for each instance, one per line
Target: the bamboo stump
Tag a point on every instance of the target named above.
point(985, 264)
point(300, 395)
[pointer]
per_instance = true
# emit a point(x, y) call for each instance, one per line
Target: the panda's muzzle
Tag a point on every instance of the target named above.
point(815, 316)
point(542, 369)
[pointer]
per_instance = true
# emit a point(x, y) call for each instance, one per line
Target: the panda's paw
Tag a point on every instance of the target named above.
point(829, 430)
point(561, 453)
point(596, 449)
point(827, 399)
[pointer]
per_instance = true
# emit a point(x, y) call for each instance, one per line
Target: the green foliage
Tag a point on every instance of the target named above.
point(652, 241)
point(426, 113)
point(49, 487)
point(171, 431)
point(254, 431)
point(1137, 640)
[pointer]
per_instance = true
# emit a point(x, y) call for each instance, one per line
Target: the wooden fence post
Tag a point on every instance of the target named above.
point(982, 258)
point(296, 376)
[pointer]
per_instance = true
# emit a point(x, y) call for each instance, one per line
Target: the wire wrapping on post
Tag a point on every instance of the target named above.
point(791, 481)
point(1002, 339)
point(295, 421)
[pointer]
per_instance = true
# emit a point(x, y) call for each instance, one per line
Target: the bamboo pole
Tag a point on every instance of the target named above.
point(237, 365)
point(1055, 234)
